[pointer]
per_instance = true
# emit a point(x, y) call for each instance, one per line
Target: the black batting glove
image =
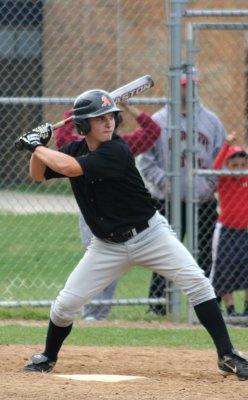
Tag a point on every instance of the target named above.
point(45, 132)
point(30, 141)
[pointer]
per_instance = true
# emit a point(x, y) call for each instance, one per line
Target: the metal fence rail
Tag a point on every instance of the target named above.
point(113, 302)
point(216, 13)
point(70, 100)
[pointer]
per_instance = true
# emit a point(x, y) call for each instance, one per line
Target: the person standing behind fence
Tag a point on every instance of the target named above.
point(209, 134)
point(230, 240)
point(138, 141)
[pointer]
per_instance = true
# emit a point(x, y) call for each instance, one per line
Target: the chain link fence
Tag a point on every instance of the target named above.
point(53, 50)
point(222, 87)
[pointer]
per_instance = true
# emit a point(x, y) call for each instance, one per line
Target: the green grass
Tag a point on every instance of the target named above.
point(25, 313)
point(37, 254)
point(195, 338)
point(60, 186)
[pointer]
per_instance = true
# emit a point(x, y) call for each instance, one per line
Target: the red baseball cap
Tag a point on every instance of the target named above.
point(194, 75)
point(235, 150)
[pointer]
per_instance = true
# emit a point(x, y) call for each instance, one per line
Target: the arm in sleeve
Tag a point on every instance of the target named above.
point(218, 162)
point(149, 167)
point(220, 137)
point(144, 137)
point(66, 134)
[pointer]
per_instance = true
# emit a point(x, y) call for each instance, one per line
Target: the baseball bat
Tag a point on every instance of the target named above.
point(120, 95)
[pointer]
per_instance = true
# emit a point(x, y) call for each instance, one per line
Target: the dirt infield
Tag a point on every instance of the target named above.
point(170, 374)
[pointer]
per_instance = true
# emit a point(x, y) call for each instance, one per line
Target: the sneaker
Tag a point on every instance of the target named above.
point(39, 363)
point(245, 313)
point(156, 312)
point(234, 314)
point(234, 363)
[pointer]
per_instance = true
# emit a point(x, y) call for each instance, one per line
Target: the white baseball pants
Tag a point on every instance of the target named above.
point(156, 248)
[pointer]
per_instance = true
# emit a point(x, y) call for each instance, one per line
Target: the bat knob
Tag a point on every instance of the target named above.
point(18, 145)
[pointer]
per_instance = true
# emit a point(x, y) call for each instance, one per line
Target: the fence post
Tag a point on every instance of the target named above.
point(176, 46)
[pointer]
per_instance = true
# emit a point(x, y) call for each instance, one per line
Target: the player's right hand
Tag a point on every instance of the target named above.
point(29, 141)
point(44, 131)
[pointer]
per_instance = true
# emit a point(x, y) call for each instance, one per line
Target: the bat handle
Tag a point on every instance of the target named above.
point(62, 123)
point(18, 145)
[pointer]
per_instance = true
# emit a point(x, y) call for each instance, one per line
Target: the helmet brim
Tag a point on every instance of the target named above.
point(95, 113)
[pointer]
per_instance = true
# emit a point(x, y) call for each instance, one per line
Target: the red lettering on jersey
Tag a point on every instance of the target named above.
point(183, 135)
point(203, 139)
point(105, 101)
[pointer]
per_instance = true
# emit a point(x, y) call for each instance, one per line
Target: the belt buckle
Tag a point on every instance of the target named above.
point(128, 235)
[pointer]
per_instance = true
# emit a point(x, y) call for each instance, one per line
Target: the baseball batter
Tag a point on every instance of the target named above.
point(138, 141)
point(127, 229)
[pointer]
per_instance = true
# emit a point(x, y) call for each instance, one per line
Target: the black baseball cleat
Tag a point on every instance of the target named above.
point(39, 363)
point(235, 363)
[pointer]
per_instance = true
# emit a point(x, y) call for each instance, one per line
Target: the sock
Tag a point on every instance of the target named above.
point(230, 309)
point(219, 299)
point(210, 316)
point(54, 340)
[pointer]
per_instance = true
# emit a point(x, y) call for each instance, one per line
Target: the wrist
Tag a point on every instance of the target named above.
point(162, 183)
point(37, 146)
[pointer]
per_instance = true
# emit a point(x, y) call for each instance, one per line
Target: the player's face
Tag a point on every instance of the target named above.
point(237, 163)
point(102, 129)
point(184, 94)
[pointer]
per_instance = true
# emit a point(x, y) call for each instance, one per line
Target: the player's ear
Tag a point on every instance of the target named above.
point(118, 119)
point(83, 127)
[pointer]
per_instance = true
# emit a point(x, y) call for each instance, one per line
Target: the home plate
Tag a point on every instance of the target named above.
point(101, 378)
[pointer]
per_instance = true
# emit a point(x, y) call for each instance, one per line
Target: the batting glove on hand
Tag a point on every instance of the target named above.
point(45, 132)
point(30, 141)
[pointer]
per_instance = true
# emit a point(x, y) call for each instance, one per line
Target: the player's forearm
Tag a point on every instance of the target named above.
point(37, 169)
point(143, 138)
point(149, 133)
point(220, 157)
point(58, 162)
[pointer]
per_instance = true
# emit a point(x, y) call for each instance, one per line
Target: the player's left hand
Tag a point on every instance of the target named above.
point(45, 132)
point(30, 141)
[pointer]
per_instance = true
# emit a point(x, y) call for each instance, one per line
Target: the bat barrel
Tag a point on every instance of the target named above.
point(122, 94)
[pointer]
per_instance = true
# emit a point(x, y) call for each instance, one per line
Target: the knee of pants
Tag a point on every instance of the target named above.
point(63, 312)
point(199, 290)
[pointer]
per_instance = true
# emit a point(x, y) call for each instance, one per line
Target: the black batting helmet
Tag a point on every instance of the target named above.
point(93, 103)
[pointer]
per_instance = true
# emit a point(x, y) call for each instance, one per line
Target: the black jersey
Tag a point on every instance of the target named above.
point(110, 194)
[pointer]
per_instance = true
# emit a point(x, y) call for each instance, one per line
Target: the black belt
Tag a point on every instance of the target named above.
point(123, 237)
